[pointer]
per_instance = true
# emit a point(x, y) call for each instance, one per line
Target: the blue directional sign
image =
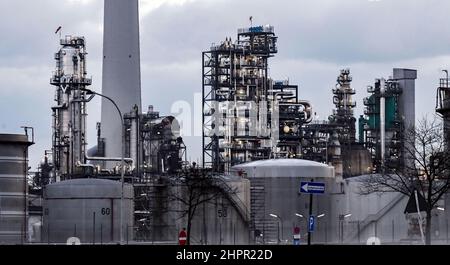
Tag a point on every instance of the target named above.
point(312, 187)
point(311, 223)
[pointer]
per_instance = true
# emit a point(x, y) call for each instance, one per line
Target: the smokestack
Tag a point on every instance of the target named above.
point(406, 79)
point(121, 69)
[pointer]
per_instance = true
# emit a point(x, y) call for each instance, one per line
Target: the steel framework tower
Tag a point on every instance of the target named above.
point(443, 106)
point(246, 115)
point(232, 73)
point(121, 68)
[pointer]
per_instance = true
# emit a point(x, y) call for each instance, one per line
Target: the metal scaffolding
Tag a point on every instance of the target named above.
point(246, 115)
point(370, 124)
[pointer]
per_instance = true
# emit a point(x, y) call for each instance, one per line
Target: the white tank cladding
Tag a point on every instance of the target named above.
point(88, 209)
point(275, 186)
point(13, 188)
point(121, 69)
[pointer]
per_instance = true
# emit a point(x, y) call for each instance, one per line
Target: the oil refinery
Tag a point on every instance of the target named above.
point(271, 171)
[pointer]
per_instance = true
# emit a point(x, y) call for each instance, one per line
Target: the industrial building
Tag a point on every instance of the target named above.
point(259, 143)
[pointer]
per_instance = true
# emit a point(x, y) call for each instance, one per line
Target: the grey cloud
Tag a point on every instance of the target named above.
point(334, 31)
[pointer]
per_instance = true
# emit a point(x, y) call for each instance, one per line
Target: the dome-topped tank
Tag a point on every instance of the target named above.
point(278, 206)
point(286, 168)
point(88, 209)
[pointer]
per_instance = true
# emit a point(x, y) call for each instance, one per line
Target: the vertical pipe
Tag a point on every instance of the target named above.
point(376, 228)
point(128, 227)
point(234, 234)
point(101, 234)
point(93, 228)
point(393, 231)
point(112, 220)
point(220, 232)
point(359, 232)
point(122, 173)
point(382, 122)
point(310, 214)
point(278, 232)
point(41, 228)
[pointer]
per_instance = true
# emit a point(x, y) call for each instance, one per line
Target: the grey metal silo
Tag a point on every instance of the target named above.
point(88, 209)
point(13, 188)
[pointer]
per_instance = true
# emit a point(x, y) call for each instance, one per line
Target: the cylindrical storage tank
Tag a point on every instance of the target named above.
point(88, 209)
point(278, 206)
point(13, 188)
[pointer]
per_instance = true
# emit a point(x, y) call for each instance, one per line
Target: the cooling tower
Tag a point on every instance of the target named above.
point(121, 69)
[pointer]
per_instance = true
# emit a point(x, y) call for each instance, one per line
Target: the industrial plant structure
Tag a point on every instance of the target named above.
point(247, 115)
point(443, 106)
point(124, 188)
point(259, 142)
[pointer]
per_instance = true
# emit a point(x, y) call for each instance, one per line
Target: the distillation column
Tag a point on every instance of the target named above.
point(343, 114)
point(69, 115)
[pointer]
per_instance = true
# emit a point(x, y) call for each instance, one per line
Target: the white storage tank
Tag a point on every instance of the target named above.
point(277, 206)
point(88, 209)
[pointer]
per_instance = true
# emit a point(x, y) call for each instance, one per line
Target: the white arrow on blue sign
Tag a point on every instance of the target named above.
point(312, 187)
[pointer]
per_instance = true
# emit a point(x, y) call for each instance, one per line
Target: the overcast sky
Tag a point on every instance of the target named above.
point(316, 39)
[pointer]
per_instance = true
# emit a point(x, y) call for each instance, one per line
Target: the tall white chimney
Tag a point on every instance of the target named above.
point(121, 69)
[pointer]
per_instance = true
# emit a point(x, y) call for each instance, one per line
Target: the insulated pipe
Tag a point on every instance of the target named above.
point(86, 165)
point(96, 158)
point(308, 110)
point(382, 121)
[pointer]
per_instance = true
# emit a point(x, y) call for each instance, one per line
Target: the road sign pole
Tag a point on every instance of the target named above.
point(310, 214)
point(311, 188)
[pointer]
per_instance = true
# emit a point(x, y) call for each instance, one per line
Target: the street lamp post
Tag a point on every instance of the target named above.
point(341, 225)
point(122, 159)
point(280, 222)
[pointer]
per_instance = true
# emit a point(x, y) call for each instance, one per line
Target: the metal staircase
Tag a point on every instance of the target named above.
point(374, 217)
point(268, 227)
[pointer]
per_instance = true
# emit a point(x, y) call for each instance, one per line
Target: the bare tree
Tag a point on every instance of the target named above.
point(427, 168)
point(197, 187)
